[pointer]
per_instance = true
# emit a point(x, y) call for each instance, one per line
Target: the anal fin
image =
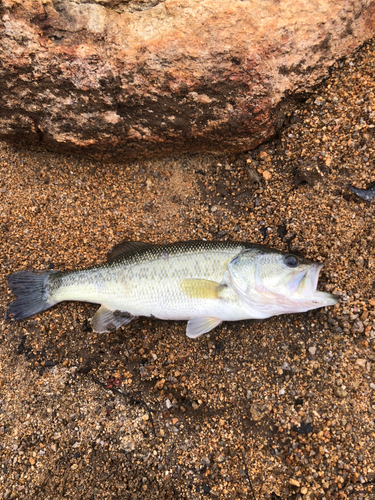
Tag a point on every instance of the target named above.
point(198, 326)
point(105, 320)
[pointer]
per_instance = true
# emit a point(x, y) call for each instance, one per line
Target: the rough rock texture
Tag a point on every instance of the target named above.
point(132, 78)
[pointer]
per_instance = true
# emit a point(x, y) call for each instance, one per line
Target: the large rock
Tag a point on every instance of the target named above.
point(139, 77)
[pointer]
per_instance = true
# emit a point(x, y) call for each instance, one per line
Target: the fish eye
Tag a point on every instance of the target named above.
point(291, 261)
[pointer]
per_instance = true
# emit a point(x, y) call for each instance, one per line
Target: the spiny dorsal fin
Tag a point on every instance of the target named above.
point(126, 247)
point(202, 289)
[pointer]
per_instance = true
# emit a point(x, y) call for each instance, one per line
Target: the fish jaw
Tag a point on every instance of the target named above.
point(306, 296)
point(300, 295)
point(307, 288)
point(297, 304)
point(308, 281)
point(324, 298)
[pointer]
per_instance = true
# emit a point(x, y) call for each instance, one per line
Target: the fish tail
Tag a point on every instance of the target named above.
point(31, 290)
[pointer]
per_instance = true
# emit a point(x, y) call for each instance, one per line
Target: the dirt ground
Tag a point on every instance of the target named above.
point(283, 408)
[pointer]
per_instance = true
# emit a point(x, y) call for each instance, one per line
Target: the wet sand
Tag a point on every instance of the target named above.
point(283, 408)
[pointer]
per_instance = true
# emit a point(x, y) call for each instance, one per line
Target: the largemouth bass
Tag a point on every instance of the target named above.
point(203, 282)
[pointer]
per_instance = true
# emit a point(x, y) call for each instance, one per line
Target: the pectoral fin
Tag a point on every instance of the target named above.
point(105, 320)
point(202, 289)
point(198, 326)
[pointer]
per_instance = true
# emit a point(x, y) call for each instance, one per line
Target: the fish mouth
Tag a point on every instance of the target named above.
point(307, 287)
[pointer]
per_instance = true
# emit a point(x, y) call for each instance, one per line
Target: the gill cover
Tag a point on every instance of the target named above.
point(242, 270)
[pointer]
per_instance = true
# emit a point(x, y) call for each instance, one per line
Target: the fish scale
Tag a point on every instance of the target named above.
point(202, 282)
point(152, 282)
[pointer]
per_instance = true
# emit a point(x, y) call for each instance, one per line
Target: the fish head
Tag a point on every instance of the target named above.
point(283, 283)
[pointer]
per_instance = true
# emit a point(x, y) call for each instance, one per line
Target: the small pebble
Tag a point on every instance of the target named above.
point(340, 392)
point(358, 327)
point(361, 362)
point(294, 482)
point(267, 175)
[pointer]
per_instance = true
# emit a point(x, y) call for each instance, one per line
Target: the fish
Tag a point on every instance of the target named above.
point(201, 282)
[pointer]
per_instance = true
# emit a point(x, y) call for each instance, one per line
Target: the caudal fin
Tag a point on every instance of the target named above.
point(31, 290)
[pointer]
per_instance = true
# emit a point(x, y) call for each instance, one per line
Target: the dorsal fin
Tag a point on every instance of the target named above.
point(126, 247)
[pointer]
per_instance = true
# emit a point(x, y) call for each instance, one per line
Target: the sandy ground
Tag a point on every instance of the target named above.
point(277, 409)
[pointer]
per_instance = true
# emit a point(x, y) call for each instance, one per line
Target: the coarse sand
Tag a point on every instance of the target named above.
point(282, 408)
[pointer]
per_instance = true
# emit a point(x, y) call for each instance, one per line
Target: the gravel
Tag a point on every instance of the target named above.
point(283, 408)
